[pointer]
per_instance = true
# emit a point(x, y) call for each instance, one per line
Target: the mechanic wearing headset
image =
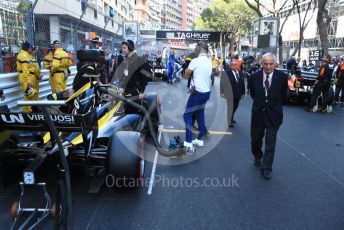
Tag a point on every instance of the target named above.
point(133, 74)
point(29, 74)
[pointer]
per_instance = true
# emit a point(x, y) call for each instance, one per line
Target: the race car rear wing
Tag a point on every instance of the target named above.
point(37, 121)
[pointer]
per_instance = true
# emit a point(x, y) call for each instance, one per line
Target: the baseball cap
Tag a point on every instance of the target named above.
point(203, 44)
point(56, 42)
point(26, 45)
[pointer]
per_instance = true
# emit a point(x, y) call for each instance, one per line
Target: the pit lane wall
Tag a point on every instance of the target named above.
point(10, 84)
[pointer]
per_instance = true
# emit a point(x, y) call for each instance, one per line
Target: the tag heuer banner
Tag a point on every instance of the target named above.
point(189, 35)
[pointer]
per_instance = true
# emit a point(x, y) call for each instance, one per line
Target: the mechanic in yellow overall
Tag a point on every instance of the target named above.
point(59, 69)
point(29, 74)
point(48, 61)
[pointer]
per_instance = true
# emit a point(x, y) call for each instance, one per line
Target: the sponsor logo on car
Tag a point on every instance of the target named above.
point(24, 118)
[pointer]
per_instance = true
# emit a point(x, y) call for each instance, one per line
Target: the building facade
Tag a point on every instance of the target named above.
point(191, 9)
point(311, 40)
point(12, 25)
point(171, 15)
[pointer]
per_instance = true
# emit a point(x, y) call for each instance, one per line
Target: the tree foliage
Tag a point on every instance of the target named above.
point(231, 16)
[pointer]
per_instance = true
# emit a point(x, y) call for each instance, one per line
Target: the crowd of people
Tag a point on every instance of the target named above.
point(331, 70)
point(265, 83)
point(267, 87)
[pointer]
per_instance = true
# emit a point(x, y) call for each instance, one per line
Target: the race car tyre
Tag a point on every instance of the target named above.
point(59, 209)
point(91, 55)
point(125, 160)
point(153, 106)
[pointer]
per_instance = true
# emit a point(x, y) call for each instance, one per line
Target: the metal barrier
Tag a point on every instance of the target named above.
point(10, 84)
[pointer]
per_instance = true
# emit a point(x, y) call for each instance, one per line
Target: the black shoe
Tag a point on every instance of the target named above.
point(231, 125)
point(257, 163)
point(266, 174)
point(233, 121)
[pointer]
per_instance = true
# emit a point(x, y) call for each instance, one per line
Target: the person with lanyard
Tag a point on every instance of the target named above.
point(200, 70)
point(268, 89)
point(132, 75)
point(29, 75)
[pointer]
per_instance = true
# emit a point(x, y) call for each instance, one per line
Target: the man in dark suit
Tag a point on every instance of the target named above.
point(232, 87)
point(268, 88)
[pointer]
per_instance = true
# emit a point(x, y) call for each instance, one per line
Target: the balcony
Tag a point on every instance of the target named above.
point(144, 9)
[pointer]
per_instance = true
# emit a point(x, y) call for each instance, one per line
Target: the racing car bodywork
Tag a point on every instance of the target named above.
point(299, 88)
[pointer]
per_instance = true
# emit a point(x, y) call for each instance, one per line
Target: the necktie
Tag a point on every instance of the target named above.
point(236, 76)
point(267, 82)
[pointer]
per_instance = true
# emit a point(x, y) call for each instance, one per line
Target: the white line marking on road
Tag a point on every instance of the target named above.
point(151, 182)
point(311, 161)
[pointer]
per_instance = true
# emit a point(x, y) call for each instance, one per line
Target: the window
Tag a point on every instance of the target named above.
point(95, 13)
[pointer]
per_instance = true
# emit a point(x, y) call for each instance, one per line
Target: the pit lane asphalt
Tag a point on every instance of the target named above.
point(305, 192)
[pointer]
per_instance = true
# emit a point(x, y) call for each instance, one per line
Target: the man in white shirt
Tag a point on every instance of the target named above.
point(199, 70)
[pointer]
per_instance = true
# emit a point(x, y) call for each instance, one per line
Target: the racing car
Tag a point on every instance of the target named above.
point(94, 132)
point(299, 88)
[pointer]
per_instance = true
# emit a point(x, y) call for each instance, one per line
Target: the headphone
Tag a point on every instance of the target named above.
point(130, 44)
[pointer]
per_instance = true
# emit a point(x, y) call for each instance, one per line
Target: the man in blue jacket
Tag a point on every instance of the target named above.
point(171, 60)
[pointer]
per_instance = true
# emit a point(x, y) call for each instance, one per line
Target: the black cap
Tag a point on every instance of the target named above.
point(26, 45)
point(56, 42)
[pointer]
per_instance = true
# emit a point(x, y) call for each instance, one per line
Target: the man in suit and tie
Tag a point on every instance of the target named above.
point(268, 88)
point(232, 87)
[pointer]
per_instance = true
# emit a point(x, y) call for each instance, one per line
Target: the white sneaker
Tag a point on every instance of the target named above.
point(189, 148)
point(329, 109)
point(197, 142)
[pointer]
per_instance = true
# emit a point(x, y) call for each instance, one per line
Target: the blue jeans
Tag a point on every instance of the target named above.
point(195, 105)
point(169, 73)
